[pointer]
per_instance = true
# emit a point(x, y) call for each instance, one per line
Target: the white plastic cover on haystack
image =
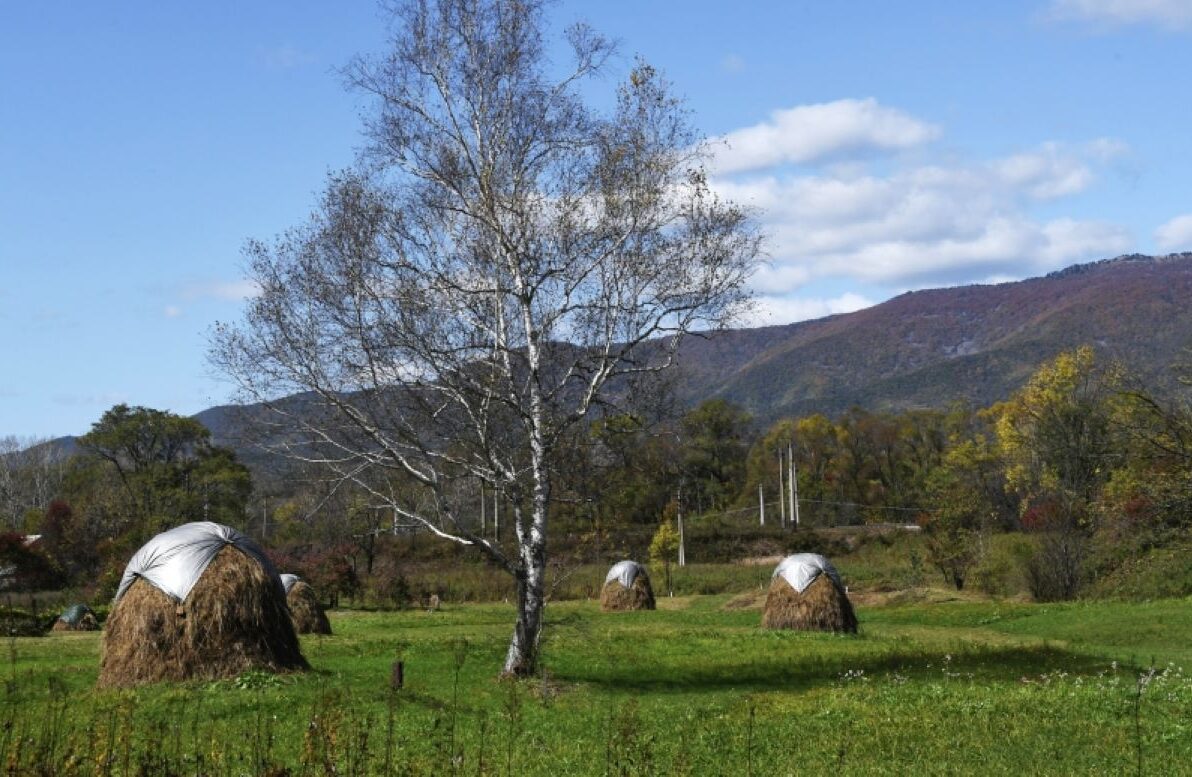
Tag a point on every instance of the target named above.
point(174, 560)
point(289, 581)
point(624, 572)
point(801, 570)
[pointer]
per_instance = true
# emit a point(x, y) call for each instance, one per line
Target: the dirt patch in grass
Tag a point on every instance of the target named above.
point(750, 600)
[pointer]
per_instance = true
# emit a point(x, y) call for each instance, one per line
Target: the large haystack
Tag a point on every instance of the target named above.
point(197, 602)
point(78, 617)
point(305, 610)
point(626, 587)
point(806, 594)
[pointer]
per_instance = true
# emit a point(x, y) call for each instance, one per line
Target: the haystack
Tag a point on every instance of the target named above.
point(626, 587)
point(305, 610)
point(806, 594)
point(201, 601)
point(78, 617)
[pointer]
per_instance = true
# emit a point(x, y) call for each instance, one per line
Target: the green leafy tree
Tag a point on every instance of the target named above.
point(165, 467)
point(957, 531)
point(633, 471)
point(714, 452)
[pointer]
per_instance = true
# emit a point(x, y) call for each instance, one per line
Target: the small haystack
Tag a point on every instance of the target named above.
point(806, 594)
point(201, 601)
point(78, 617)
point(626, 587)
point(305, 610)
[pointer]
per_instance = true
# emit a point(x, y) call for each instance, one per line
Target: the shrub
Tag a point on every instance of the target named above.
point(26, 568)
point(1056, 570)
point(15, 622)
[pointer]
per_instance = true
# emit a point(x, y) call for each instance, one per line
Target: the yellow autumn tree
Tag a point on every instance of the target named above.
point(1056, 433)
point(663, 548)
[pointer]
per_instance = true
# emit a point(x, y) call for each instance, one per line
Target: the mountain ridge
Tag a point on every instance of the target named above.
point(921, 349)
point(981, 340)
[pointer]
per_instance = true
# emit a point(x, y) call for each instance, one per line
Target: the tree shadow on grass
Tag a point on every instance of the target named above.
point(783, 672)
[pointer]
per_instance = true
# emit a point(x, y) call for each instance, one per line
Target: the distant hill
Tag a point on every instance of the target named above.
point(925, 349)
point(922, 349)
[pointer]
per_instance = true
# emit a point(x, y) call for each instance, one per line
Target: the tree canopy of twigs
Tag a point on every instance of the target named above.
point(502, 262)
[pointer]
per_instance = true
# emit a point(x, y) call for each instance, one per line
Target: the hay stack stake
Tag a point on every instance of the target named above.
point(806, 594)
point(626, 587)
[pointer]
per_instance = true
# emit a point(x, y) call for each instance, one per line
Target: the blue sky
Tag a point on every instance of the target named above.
point(887, 146)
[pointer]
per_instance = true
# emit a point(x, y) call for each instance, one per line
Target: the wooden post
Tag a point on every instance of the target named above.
point(397, 675)
point(761, 506)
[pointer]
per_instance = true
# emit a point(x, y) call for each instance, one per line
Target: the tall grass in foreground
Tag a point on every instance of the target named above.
point(694, 690)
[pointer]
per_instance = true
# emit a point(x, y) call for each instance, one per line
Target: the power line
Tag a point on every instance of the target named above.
point(860, 505)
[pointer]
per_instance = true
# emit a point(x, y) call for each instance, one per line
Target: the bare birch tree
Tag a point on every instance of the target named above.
point(502, 261)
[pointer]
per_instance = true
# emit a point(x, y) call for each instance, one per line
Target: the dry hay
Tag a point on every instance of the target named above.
point(85, 623)
point(823, 606)
point(615, 597)
point(305, 610)
point(234, 619)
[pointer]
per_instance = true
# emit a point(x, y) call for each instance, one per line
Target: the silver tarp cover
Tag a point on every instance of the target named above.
point(801, 570)
point(289, 581)
point(625, 572)
point(174, 560)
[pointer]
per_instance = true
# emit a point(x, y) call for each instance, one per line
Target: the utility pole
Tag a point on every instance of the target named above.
point(682, 537)
point(790, 455)
point(781, 493)
point(761, 505)
point(795, 489)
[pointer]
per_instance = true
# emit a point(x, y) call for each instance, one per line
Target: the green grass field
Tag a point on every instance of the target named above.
point(693, 688)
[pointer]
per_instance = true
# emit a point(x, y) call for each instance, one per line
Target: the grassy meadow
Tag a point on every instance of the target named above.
point(932, 687)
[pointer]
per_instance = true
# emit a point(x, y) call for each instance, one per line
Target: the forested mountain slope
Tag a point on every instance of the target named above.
point(929, 348)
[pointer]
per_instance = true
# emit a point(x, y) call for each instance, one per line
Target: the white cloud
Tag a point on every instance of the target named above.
point(839, 200)
point(283, 57)
point(104, 399)
point(172, 311)
point(1168, 14)
point(733, 64)
point(228, 291)
point(1176, 234)
point(1045, 173)
point(1106, 149)
point(923, 224)
point(931, 223)
point(772, 310)
point(810, 133)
